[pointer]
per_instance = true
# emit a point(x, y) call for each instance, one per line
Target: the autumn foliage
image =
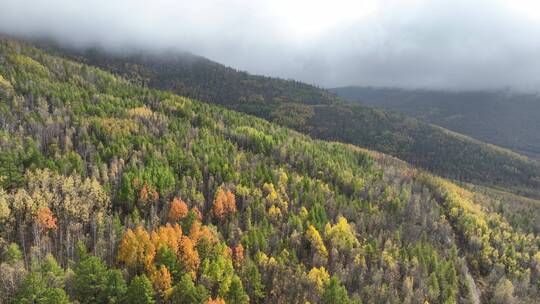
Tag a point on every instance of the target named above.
point(188, 254)
point(161, 279)
point(224, 203)
point(146, 194)
point(238, 254)
point(136, 249)
point(318, 222)
point(178, 210)
point(197, 213)
point(199, 232)
point(46, 219)
point(143, 193)
point(215, 301)
point(167, 236)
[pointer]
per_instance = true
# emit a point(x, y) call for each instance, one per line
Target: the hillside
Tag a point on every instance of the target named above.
point(115, 193)
point(320, 114)
point(506, 119)
point(520, 212)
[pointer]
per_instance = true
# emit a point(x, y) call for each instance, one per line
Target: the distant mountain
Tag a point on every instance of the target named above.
point(201, 78)
point(323, 115)
point(111, 192)
point(503, 118)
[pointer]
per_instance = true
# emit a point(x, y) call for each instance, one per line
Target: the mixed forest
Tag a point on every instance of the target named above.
point(115, 192)
point(321, 114)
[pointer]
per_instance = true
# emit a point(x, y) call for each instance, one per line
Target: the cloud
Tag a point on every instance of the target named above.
point(460, 44)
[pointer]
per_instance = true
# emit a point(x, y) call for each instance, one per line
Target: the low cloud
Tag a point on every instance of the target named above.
point(458, 44)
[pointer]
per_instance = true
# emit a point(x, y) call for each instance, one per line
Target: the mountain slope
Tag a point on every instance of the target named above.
point(144, 194)
point(318, 113)
point(506, 119)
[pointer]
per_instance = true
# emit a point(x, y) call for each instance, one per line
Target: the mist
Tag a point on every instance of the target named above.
point(455, 45)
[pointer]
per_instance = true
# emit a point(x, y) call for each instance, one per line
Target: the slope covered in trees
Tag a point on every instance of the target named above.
point(503, 118)
point(322, 115)
point(115, 193)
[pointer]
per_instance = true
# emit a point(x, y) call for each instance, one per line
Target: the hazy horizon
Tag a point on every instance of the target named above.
point(458, 45)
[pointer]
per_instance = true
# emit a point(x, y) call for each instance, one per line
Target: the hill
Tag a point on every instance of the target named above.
point(112, 192)
point(316, 112)
point(503, 118)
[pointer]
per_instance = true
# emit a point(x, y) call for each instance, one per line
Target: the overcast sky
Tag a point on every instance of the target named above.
point(453, 44)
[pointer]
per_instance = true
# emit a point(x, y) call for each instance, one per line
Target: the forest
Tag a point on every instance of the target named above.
point(504, 117)
point(323, 115)
point(115, 192)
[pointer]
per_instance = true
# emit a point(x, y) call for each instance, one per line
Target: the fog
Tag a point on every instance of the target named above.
point(459, 44)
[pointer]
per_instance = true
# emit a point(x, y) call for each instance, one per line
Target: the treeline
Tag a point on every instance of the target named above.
point(115, 193)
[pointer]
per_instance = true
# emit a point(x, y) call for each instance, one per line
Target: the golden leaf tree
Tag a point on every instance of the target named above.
point(224, 203)
point(188, 255)
point(178, 210)
point(137, 250)
point(46, 219)
point(161, 279)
